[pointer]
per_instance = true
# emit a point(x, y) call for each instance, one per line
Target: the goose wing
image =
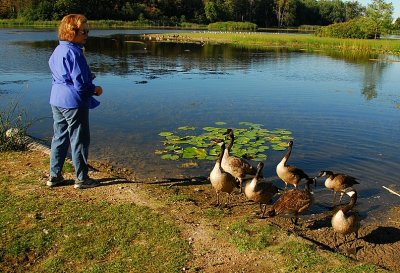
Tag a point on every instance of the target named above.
point(239, 167)
point(344, 181)
point(298, 173)
point(292, 202)
point(266, 188)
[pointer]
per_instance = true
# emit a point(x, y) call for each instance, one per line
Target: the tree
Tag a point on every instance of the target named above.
point(264, 13)
point(353, 9)
point(332, 11)
point(214, 10)
point(307, 12)
point(396, 24)
point(380, 15)
point(285, 11)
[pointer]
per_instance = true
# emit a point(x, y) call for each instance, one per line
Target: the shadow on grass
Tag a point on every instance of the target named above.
point(383, 235)
point(186, 181)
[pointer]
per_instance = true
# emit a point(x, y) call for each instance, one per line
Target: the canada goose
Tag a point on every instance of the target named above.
point(221, 180)
point(293, 202)
point(236, 166)
point(345, 221)
point(290, 174)
point(337, 182)
point(259, 190)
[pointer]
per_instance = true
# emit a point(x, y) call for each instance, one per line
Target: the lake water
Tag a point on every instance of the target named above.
point(344, 113)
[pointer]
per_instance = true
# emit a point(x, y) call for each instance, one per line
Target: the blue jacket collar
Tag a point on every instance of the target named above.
point(71, 43)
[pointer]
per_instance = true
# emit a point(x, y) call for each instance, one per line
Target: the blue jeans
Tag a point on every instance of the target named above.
point(71, 127)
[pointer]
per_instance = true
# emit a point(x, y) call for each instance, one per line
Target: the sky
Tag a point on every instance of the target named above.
point(396, 5)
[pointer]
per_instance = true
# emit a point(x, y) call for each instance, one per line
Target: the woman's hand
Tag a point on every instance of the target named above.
point(98, 91)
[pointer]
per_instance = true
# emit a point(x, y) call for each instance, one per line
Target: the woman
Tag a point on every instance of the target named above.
point(71, 98)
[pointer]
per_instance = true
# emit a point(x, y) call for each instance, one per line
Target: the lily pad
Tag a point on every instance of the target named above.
point(278, 147)
point(186, 128)
point(172, 147)
point(252, 142)
point(169, 156)
point(165, 134)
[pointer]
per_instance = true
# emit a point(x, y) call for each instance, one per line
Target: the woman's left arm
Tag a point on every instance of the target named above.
point(82, 77)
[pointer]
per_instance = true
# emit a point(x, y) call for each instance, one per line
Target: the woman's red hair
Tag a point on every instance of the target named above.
point(69, 26)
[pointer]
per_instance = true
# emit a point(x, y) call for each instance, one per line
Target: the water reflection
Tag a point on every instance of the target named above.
point(372, 76)
point(124, 54)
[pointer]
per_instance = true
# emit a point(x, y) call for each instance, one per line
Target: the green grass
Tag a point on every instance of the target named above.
point(302, 256)
point(181, 198)
point(214, 213)
point(48, 234)
point(296, 42)
point(355, 269)
point(249, 237)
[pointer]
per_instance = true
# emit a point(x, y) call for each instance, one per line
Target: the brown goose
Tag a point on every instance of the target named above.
point(293, 202)
point(345, 221)
point(290, 174)
point(236, 166)
point(259, 190)
point(221, 180)
point(337, 182)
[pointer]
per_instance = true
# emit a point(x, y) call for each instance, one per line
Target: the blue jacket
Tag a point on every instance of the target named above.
point(72, 85)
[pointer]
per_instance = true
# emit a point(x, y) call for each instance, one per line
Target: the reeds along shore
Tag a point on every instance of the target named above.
point(291, 41)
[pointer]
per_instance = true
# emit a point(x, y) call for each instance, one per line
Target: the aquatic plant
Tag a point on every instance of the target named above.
point(274, 41)
point(14, 123)
point(251, 141)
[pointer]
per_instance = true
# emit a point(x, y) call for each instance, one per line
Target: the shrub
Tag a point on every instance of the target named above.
point(233, 26)
point(14, 124)
point(359, 28)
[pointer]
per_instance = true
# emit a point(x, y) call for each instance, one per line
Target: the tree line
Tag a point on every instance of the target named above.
point(264, 13)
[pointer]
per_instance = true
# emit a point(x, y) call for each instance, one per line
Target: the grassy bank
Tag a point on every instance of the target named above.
point(129, 227)
point(42, 231)
point(291, 41)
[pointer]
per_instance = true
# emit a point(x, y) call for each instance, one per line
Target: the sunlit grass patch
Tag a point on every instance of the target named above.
point(181, 198)
point(250, 237)
point(300, 256)
point(71, 235)
point(214, 213)
point(363, 268)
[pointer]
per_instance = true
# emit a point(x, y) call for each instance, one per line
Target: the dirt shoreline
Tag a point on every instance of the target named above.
point(378, 242)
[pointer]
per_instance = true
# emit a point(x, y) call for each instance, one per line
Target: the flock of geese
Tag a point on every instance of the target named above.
point(230, 172)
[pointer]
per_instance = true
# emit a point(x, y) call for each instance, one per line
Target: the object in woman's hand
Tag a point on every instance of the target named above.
point(98, 90)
